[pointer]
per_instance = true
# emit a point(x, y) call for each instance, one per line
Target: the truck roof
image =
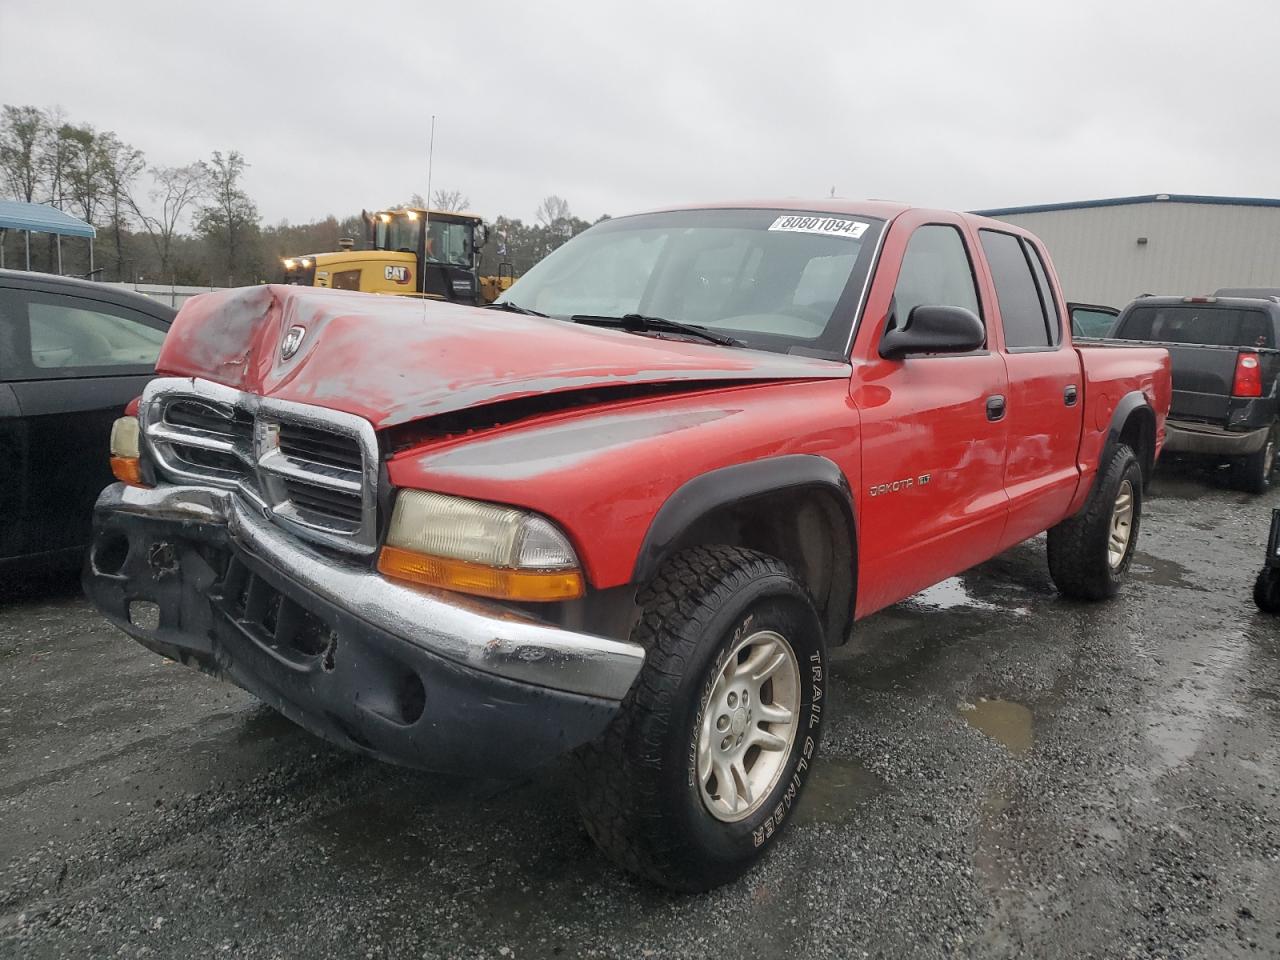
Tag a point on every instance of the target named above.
point(880, 209)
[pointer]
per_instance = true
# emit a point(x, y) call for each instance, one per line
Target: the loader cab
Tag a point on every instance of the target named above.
point(408, 252)
point(444, 247)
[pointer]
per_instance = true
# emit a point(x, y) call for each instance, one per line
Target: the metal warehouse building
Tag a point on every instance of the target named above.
point(1110, 251)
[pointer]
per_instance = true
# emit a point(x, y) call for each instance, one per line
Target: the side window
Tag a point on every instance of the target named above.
point(66, 337)
point(1086, 322)
point(346, 280)
point(1047, 300)
point(1021, 309)
point(935, 272)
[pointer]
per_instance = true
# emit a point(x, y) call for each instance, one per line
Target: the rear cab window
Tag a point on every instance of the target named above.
point(1028, 311)
point(1201, 323)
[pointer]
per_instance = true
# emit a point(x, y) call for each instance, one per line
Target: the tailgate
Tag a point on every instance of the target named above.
point(1202, 380)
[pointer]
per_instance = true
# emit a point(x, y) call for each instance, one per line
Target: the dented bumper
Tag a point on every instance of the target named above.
point(425, 679)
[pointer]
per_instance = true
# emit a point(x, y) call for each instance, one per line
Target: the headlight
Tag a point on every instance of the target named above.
point(126, 462)
point(480, 548)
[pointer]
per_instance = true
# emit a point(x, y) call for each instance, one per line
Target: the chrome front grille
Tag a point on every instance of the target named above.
point(321, 447)
point(313, 470)
point(206, 436)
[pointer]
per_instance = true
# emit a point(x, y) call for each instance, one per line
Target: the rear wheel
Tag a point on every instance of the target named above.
point(1090, 553)
point(701, 768)
point(1253, 473)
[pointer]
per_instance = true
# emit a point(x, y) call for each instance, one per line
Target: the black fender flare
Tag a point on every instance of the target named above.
point(725, 487)
point(1132, 403)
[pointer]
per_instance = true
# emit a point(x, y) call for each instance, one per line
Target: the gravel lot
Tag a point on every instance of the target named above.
point(1005, 774)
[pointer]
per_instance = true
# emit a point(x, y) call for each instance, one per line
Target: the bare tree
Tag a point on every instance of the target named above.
point(415, 202)
point(23, 133)
point(55, 157)
point(448, 200)
point(231, 217)
point(85, 180)
point(175, 190)
point(552, 210)
point(121, 164)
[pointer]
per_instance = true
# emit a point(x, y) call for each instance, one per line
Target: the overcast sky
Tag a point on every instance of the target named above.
point(620, 107)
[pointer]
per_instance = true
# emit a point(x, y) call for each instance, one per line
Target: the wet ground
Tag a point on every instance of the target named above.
point(1006, 774)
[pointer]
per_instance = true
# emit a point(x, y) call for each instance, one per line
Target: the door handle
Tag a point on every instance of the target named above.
point(995, 408)
point(1071, 395)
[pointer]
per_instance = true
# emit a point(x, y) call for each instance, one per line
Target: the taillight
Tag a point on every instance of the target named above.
point(1248, 376)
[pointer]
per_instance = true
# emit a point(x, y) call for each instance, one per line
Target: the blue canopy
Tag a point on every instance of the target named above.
point(42, 218)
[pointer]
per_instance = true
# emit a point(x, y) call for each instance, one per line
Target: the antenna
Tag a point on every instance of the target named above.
point(426, 215)
point(431, 153)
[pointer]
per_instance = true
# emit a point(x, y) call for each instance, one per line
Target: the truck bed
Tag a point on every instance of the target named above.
point(1203, 375)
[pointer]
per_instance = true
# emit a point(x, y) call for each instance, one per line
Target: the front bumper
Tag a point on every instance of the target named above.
point(1187, 436)
point(422, 678)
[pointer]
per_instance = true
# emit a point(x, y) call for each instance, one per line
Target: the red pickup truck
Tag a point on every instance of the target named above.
point(625, 511)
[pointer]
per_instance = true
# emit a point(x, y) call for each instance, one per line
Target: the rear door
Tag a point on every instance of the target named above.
point(72, 363)
point(932, 498)
point(1045, 390)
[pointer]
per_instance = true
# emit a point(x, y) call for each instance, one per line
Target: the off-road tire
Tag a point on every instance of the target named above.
point(1253, 473)
point(638, 790)
point(1078, 560)
point(1266, 590)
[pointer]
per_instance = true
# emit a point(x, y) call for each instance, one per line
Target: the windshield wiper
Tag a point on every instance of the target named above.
point(639, 323)
point(514, 308)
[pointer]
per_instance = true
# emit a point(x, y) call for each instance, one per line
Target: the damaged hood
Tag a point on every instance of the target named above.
point(393, 360)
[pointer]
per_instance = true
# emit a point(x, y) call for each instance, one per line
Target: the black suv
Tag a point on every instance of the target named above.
point(1225, 367)
point(72, 354)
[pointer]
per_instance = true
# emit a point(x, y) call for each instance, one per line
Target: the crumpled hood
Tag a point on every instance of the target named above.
point(393, 360)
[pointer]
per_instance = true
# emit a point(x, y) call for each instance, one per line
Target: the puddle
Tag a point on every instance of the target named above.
point(1196, 695)
point(1164, 573)
point(952, 594)
point(836, 789)
point(1008, 723)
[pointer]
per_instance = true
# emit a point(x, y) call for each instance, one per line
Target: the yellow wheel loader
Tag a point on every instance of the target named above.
point(410, 252)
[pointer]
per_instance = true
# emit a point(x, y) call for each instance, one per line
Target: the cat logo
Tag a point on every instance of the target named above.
point(397, 272)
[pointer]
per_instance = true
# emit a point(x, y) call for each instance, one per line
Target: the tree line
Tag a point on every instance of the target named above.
point(194, 223)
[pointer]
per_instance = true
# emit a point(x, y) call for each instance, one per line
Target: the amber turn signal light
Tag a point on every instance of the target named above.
point(128, 470)
point(478, 579)
point(126, 452)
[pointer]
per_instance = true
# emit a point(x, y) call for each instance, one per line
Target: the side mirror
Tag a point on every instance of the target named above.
point(480, 238)
point(934, 330)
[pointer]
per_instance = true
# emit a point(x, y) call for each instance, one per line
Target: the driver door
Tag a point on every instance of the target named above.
point(932, 499)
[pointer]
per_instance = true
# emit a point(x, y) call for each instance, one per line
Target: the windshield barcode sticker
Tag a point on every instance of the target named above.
point(827, 226)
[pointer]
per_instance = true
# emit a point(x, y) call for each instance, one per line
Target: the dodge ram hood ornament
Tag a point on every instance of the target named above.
point(292, 341)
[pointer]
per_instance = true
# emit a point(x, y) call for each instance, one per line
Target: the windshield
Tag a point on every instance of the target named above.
point(399, 233)
point(1198, 323)
point(449, 242)
point(773, 279)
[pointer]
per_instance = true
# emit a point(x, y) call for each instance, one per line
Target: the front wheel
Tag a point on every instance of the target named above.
point(1090, 553)
point(700, 770)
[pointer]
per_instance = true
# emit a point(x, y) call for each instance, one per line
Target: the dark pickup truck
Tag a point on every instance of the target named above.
point(1225, 367)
